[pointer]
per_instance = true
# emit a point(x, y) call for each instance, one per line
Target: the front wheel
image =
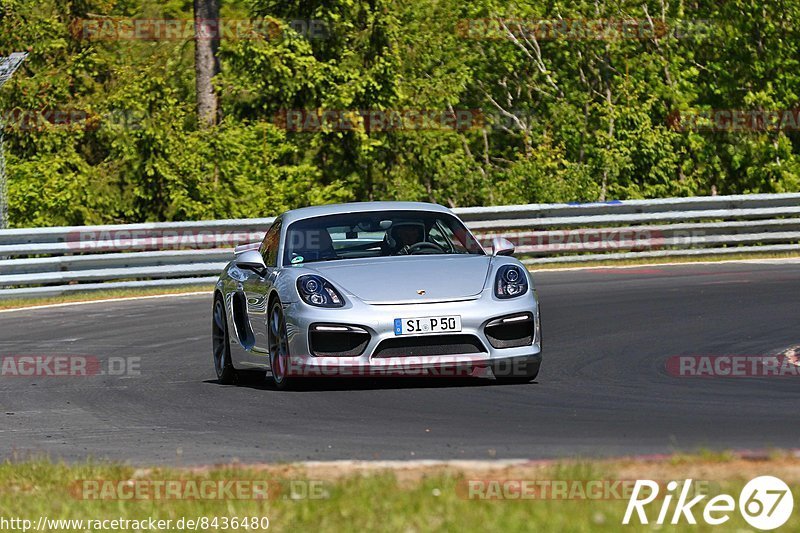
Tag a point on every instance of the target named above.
point(279, 348)
point(221, 348)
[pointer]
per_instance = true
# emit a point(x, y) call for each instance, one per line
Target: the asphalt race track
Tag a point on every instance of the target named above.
point(603, 389)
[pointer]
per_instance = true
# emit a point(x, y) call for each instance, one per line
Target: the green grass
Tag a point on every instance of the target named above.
point(356, 502)
point(89, 296)
point(703, 456)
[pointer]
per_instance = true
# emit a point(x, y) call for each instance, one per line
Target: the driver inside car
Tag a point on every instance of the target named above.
point(402, 236)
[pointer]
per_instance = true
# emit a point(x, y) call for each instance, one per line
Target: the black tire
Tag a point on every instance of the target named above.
point(279, 348)
point(221, 349)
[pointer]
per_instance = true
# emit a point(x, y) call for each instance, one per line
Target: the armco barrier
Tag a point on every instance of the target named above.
point(51, 261)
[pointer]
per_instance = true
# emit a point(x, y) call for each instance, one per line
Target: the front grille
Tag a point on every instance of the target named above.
point(511, 332)
point(429, 345)
point(347, 341)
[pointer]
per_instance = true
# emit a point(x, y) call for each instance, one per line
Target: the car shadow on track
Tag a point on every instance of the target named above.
point(261, 382)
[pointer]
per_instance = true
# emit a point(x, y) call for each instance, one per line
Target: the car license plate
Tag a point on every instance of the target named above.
point(431, 324)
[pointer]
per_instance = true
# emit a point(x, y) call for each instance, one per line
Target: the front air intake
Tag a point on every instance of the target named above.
point(429, 345)
point(511, 331)
point(336, 340)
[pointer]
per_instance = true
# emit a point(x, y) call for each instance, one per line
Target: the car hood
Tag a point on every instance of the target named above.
point(398, 279)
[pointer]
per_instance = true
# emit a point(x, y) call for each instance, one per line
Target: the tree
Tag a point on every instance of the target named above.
point(206, 62)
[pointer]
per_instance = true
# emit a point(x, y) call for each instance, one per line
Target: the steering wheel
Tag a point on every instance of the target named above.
point(410, 250)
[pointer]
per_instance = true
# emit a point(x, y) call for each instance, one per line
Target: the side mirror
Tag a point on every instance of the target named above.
point(251, 260)
point(502, 246)
point(245, 247)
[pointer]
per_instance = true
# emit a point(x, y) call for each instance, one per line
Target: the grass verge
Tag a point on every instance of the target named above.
point(91, 296)
point(325, 497)
point(663, 260)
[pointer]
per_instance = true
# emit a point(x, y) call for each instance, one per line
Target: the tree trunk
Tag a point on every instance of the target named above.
point(206, 63)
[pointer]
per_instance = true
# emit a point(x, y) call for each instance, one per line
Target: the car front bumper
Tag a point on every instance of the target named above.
point(429, 355)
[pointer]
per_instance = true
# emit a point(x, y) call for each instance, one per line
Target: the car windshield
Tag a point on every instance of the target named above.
point(376, 234)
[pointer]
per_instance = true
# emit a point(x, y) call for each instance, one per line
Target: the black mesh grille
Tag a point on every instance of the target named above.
point(511, 334)
point(338, 343)
point(429, 345)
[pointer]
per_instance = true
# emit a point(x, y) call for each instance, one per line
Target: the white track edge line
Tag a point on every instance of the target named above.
point(786, 260)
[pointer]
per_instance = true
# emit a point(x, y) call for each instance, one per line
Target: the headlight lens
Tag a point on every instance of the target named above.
point(510, 282)
point(316, 291)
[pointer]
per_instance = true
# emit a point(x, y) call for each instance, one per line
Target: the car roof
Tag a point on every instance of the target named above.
point(359, 207)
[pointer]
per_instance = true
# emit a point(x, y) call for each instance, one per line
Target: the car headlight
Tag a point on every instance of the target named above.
point(316, 291)
point(511, 281)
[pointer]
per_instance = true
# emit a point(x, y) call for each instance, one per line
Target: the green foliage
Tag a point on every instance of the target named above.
point(414, 498)
point(564, 119)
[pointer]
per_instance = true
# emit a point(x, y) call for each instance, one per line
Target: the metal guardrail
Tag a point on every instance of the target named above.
point(51, 261)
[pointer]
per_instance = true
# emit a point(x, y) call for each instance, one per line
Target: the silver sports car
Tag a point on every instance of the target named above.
point(375, 289)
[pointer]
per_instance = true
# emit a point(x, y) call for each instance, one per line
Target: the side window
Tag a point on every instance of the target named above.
point(436, 235)
point(269, 246)
point(448, 239)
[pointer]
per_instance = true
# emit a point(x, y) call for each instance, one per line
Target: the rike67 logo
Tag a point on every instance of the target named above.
point(765, 503)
